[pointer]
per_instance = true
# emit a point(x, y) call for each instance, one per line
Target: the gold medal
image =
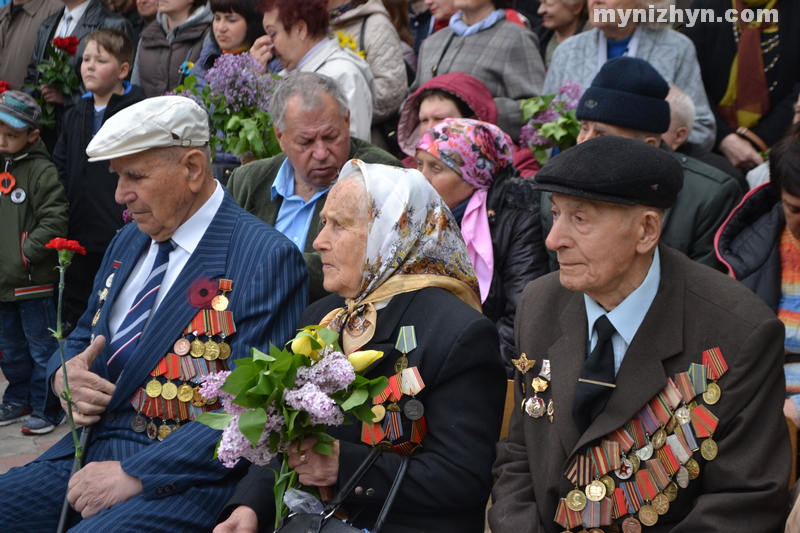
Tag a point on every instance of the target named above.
point(211, 401)
point(197, 348)
point(220, 302)
point(648, 515)
point(197, 398)
point(608, 481)
point(709, 449)
point(631, 525)
point(595, 490)
point(659, 439)
point(224, 350)
point(103, 295)
point(185, 393)
point(671, 491)
point(169, 391)
point(661, 504)
point(182, 346)
point(379, 413)
point(693, 467)
point(401, 364)
point(523, 364)
point(393, 407)
point(692, 405)
point(163, 431)
point(576, 500)
point(385, 446)
point(539, 385)
point(96, 318)
point(636, 462)
point(211, 351)
point(712, 394)
point(153, 388)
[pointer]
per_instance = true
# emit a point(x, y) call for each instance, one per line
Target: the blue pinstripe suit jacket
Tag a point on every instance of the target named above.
point(270, 288)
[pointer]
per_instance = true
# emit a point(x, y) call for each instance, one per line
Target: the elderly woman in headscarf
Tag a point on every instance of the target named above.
point(469, 163)
point(392, 253)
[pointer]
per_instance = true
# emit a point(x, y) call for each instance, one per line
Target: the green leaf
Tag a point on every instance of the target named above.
point(258, 355)
point(215, 420)
point(251, 424)
point(323, 448)
point(242, 378)
point(541, 155)
point(377, 386)
point(282, 363)
point(358, 397)
point(290, 415)
point(233, 123)
point(321, 436)
point(266, 384)
point(364, 413)
point(328, 336)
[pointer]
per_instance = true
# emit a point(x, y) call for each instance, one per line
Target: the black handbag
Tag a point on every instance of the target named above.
point(325, 522)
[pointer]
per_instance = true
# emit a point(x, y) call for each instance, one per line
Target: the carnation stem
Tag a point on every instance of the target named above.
point(63, 263)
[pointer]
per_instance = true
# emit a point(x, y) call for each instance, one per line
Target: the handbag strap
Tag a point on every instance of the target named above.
point(356, 477)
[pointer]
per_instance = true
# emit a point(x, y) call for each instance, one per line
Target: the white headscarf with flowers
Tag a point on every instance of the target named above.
point(413, 242)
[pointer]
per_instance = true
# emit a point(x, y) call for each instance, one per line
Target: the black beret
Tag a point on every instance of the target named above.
point(614, 169)
point(630, 93)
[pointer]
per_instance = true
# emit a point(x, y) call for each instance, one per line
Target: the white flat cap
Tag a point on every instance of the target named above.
point(152, 123)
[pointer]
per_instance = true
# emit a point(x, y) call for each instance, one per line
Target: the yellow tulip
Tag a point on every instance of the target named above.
point(361, 360)
point(302, 345)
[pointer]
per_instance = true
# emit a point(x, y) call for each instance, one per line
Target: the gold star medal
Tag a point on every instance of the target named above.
point(523, 364)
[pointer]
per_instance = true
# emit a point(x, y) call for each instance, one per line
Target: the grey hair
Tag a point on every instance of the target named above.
point(681, 106)
point(310, 87)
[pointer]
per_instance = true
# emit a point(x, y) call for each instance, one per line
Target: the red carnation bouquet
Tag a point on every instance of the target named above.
point(56, 72)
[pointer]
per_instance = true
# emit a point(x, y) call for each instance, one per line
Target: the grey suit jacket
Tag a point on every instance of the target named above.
point(696, 308)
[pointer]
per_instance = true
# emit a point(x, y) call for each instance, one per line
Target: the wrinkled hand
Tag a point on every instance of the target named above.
point(242, 520)
point(90, 393)
point(314, 469)
point(100, 485)
point(52, 96)
point(262, 50)
point(740, 152)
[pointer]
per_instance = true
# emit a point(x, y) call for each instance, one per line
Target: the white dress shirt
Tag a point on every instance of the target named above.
point(65, 29)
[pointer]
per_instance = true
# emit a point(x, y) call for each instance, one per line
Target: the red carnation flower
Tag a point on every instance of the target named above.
point(201, 292)
point(68, 44)
point(4, 86)
point(66, 245)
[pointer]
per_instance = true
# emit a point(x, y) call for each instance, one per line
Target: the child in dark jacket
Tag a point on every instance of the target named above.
point(94, 214)
point(33, 210)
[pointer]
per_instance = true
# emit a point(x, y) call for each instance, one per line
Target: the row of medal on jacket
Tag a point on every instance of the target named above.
point(667, 427)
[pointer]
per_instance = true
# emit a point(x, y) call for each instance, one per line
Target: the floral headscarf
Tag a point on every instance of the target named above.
point(412, 242)
point(477, 151)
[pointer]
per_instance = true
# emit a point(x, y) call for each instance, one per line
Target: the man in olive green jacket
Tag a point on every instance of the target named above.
point(312, 124)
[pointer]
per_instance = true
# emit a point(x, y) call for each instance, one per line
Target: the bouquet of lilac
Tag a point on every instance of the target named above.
point(272, 401)
point(237, 100)
point(551, 121)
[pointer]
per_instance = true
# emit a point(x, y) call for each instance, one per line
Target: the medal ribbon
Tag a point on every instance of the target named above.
point(672, 395)
point(194, 412)
point(406, 340)
point(187, 368)
point(392, 428)
point(648, 418)
point(714, 363)
point(686, 431)
point(228, 325)
point(211, 407)
point(138, 400)
point(394, 389)
point(613, 453)
point(214, 320)
point(419, 428)
point(173, 366)
point(658, 473)
point(196, 326)
point(183, 411)
point(679, 447)
point(381, 397)
point(371, 434)
point(225, 285)
point(697, 375)
point(606, 506)
point(668, 458)
point(620, 503)
point(411, 381)
point(646, 485)
point(561, 514)
point(591, 514)
point(404, 448)
point(703, 421)
point(684, 384)
point(631, 496)
point(169, 409)
point(160, 368)
point(600, 460)
point(623, 438)
point(572, 471)
point(635, 429)
point(660, 408)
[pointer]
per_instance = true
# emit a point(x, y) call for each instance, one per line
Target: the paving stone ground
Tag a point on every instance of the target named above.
point(17, 449)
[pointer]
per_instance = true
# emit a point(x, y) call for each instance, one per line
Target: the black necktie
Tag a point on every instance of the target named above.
point(596, 382)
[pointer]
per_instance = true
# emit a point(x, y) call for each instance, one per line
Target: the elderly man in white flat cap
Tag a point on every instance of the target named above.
point(161, 316)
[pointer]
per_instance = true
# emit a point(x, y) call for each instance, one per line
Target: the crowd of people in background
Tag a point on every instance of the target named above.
point(436, 86)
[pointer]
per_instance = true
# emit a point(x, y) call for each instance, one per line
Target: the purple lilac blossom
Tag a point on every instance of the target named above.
point(569, 92)
point(241, 80)
point(331, 374)
point(211, 384)
point(320, 407)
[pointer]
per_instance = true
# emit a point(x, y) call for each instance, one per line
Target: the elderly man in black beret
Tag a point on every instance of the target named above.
point(627, 98)
point(649, 387)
